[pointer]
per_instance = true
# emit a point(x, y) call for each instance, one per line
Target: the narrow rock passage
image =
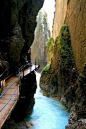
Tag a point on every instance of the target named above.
point(47, 113)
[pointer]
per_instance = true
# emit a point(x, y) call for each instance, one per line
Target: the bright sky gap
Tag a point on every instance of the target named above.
point(49, 7)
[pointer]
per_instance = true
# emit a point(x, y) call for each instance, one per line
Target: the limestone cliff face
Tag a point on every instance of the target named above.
point(73, 14)
point(76, 20)
point(57, 76)
point(42, 34)
point(17, 25)
point(59, 16)
point(65, 75)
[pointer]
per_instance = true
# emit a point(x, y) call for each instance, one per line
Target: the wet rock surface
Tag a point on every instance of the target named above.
point(17, 25)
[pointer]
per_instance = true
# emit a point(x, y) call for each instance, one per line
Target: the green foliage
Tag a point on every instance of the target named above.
point(50, 41)
point(50, 46)
point(46, 68)
point(64, 46)
point(67, 1)
point(50, 49)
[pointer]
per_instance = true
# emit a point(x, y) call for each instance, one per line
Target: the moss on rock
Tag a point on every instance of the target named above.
point(46, 68)
point(65, 51)
point(50, 49)
point(61, 72)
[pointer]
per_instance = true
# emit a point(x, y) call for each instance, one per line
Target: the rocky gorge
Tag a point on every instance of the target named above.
point(65, 74)
point(42, 34)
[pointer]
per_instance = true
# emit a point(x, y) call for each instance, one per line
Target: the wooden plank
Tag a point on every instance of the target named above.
point(3, 120)
point(2, 105)
point(3, 101)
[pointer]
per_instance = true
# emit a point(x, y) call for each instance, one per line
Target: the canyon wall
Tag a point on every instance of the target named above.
point(42, 34)
point(73, 14)
point(59, 16)
point(65, 74)
point(26, 101)
point(17, 25)
point(76, 21)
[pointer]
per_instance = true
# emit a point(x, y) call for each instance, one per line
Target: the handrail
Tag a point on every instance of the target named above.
point(9, 99)
point(9, 76)
point(8, 88)
point(23, 66)
point(3, 73)
point(5, 79)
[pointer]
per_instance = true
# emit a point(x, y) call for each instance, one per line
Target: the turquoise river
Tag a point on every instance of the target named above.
point(48, 113)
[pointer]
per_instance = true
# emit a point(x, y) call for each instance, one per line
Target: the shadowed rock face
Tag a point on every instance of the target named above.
point(26, 102)
point(17, 25)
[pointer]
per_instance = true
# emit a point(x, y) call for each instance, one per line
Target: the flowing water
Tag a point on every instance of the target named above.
point(48, 113)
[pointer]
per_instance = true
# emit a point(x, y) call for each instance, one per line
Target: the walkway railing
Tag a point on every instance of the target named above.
point(9, 99)
point(11, 92)
point(21, 69)
point(9, 87)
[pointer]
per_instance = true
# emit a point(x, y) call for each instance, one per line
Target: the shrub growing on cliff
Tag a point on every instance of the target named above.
point(67, 1)
point(46, 68)
point(50, 48)
point(65, 51)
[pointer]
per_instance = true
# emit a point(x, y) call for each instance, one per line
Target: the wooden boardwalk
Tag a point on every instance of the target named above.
point(10, 95)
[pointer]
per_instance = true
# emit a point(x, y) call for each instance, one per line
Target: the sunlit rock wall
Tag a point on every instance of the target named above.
point(42, 34)
point(73, 14)
point(59, 16)
point(76, 20)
